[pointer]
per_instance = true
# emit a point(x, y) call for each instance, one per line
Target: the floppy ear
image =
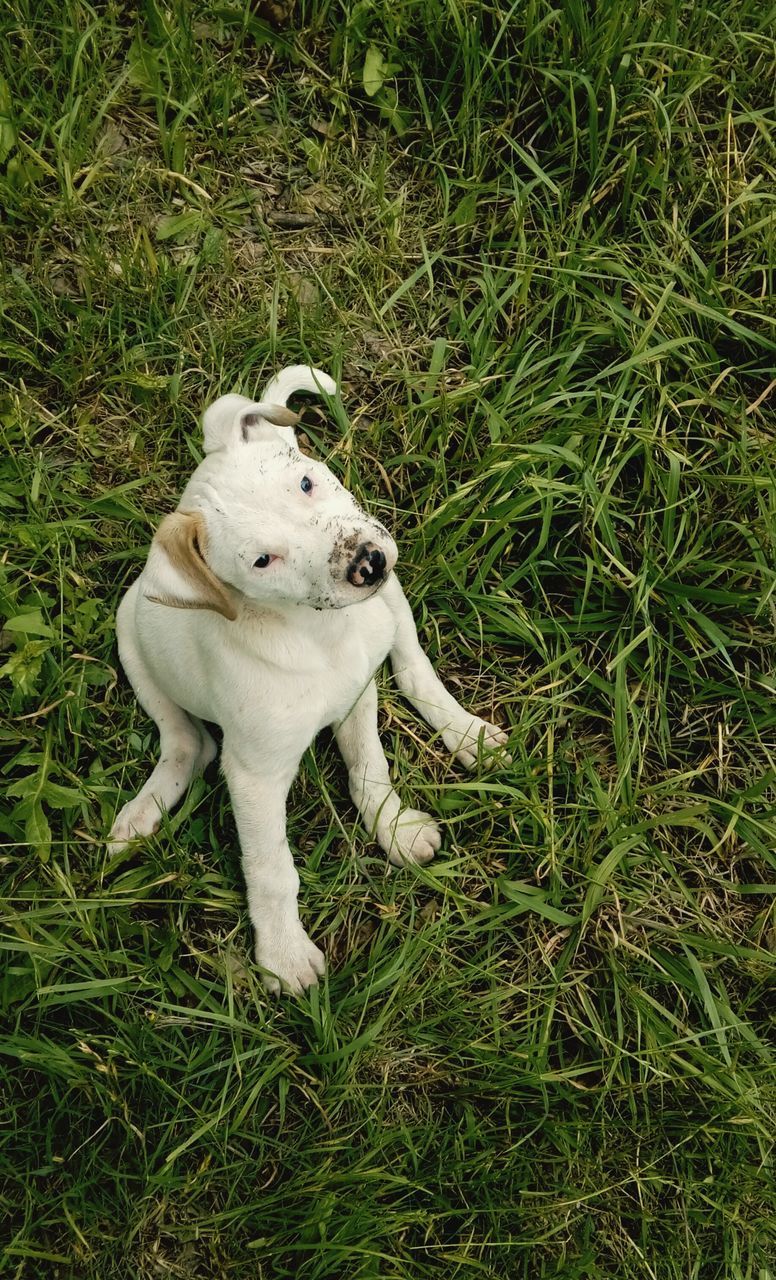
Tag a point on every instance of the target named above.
point(234, 420)
point(177, 571)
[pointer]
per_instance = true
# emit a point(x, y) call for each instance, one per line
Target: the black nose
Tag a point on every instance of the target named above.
point(367, 566)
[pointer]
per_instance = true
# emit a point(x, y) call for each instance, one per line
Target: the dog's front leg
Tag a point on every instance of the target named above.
point(284, 952)
point(406, 835)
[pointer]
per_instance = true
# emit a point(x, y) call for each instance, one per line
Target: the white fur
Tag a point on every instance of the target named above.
point(301, 654)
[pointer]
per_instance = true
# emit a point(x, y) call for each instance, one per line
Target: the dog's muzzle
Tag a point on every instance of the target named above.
point(367, 567)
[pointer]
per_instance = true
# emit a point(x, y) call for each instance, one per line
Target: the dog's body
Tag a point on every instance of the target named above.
point(266, 605)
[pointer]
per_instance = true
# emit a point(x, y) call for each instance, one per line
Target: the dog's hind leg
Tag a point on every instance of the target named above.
point(186, 748)
point(465, 735)
point(406, 835)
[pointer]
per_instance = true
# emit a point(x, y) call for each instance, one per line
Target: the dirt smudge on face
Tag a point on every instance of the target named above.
point(343, 551)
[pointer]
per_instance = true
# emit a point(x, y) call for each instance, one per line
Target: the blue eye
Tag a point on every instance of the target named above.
point(306, 485)
point(262, 562)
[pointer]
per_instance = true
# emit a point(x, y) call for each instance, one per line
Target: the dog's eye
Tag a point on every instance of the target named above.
point(306, 485)
point(262, 562)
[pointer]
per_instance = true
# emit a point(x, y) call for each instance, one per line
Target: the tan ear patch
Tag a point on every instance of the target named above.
point(276, 414)
point(182, 537)
point(279, 415)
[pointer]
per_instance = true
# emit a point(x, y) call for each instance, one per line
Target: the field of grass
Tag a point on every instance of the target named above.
point(534, 243)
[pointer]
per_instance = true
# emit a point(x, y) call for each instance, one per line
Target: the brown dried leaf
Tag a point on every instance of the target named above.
point(287, 218)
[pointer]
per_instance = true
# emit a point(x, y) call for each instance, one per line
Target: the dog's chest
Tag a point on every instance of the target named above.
point(352, 645)
point(311, 676)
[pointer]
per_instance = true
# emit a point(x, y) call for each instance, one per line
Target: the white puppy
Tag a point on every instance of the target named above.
point(266, 605)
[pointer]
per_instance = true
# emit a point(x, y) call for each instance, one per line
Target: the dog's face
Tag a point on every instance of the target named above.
point(259, 516)
point(281, 528)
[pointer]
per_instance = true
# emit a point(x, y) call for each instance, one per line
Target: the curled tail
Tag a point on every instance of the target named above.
point(297, 377)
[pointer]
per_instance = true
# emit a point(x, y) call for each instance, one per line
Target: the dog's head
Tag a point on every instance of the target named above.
point(260, 517)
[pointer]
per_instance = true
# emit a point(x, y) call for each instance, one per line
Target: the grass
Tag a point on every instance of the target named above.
point(536, 245)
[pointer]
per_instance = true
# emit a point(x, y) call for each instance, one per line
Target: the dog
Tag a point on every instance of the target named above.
point(266, 605)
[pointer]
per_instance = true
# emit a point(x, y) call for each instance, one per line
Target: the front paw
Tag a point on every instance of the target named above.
point(289, 961)
point(472, 739)
point(411, 837)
